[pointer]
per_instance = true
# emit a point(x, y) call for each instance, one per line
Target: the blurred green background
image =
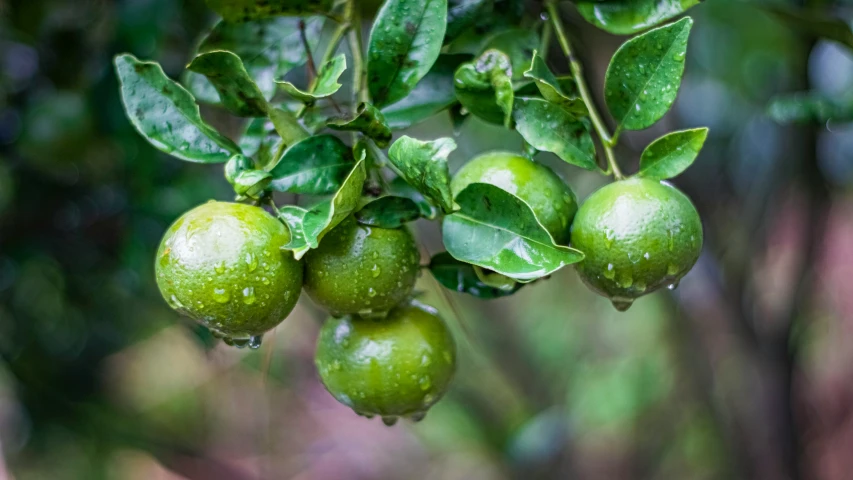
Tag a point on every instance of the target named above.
point(745, 371)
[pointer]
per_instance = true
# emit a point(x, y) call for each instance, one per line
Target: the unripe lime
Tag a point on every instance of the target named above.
point(222, 264)
point(551, 200)
point(362, 270)
point(638, 235)
point(395, 367)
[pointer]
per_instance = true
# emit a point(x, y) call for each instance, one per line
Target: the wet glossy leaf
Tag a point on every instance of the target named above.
point(167, 115)
point(325, 85)
point(496, 230)
point(237, 91)
point(236, 165)
point(252, 183)
point(551, 88)
point(260, 141)
point(484, 87)
point(810, 108)
point(518, 44)
point(404, 43)
point(495, 280)
point(269, 49)
point(549, 128)
point(432, 94)
point(401, 188)
point(244, 10)
point(672, 153)
point(424, 166)
point(286, 125)
point(626, 17)
point(644, 75)
point(464, 14)
point(317, 165)
point(308, 226)
point(369, 121)
point(461, 277)
point(388, 212)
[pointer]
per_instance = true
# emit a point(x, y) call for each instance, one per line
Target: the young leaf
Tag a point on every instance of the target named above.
point(550, 88)
point(325, 85)
point(461, 277)
point(424, 166)
point(317, 165)
point(671, 154)
point(401, 188)
point(495, 280)
point(432, 94)
point(307, 227)
point(388, 212)
point(549, 128)
point(369, 121)
point(243, 10)
point(630, 17)
point(251, 183)
point(484, 87)
point(287, 126)
point(269, 49)
point(404, 43)
point(167, 115)
point(260, 141)
point(496, 230)
point(236, 89)
point(643, 77)
point(518, 44)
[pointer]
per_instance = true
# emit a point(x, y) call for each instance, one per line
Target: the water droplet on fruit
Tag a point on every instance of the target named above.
point(673, 285)
point(671, 236)
point(610, 272)
point(265, 280)
point(609, 235)
point(625, 279)
point(249, 295)
point(371, 292)
point(220, 268)
point(375, 270)
point(622, 304)
point(255, 341)
point(672, 269)
point(389, 421)
point(221, 295)
point(251, 261)
point(425, 383)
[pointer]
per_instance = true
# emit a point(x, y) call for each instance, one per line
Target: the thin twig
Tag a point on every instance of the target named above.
point(312, 69)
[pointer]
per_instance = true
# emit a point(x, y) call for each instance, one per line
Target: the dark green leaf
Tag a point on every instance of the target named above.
point(461, 277)
point(237, 91)
point(252, 183)
point(671, 154)
point(369, 121)
point(644, 75)
point(810, 108)
point(325, 85)
point(518, 44)
point(626, 17)
point(167, 115)
point(551, 89)
point(401, 188)
point(813, 23)
point(496, 230)
point(484, 87)
point(269, 49)
point(260, 141)
point(424, 166)
point(307, 227)
point(244, 10)
point(404, 43)
point(388, 212)
point(432, 94)
point(549, 128)
point(464, 14)
point(317, 165)
point(235, 165)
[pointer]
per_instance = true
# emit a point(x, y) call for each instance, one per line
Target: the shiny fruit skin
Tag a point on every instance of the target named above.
point(397, 366)
point(222, 264)
point(638, 235)
point(544, 191)
point(364, 270)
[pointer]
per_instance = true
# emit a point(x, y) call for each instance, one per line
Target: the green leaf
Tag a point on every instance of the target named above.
point(269, 49)
point(813, 23)
point(809, 108)
point(404, 43)
point(627, 17)
point(484, 87)
point(496, 230)
point(671, 154)
point(550, 87)
point(237, 91)
point(518, 44)
point(244, 10)
point(235, 165)
point(401, 188)
point(369, 121)
point(549, 128)
point(495, 280)
point(424, 166)
point(260, 141)
point(167, 115)
point(461, 277)
point(287, 126)
point(643, 77)
point(307, 227)
point(388, 212)
point(325, 85)
point(252, 183)
point(432, 94)
point(464, 14)
point(317, 165)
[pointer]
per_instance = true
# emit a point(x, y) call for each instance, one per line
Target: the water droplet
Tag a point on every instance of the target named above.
point(375, 270)
point(671, 236)
point(251, 261)
point(371, 292)
point(221, 295)
point(266, 266)
point(646, 255)
point(220, 268)
point(672, 269)
point(425, 383)
point(625, 279)
point(265, 280)
point(389, 421)
point(610, 272)
point(640, 286)
point(249, 295)
point(673, 285)
point(622, 304)
point(609, 236)
point(255, 341)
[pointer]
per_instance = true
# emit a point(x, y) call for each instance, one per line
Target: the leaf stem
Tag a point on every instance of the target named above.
point(607, 141)
point(359, 84)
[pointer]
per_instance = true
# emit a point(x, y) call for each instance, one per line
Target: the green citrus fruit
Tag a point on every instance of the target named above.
point(538, 186)
point(638, 235)
point(395, 367)
point(362, 270)
point(222, 264)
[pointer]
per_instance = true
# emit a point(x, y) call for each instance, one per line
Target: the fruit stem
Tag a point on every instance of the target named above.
point(576, 68)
